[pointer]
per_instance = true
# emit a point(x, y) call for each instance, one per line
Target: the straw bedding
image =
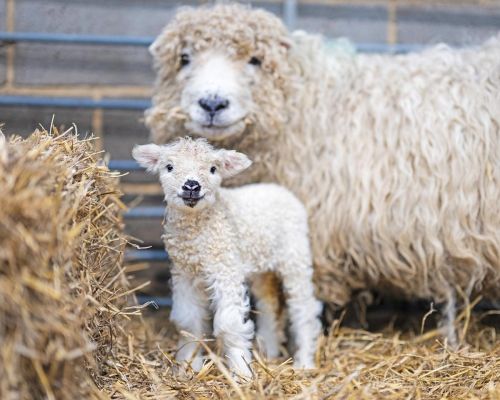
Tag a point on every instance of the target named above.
point(67, 329)
point(354, 364)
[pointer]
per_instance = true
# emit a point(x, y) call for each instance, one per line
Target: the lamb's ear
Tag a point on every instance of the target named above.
point(232, 162)
point(148, 156)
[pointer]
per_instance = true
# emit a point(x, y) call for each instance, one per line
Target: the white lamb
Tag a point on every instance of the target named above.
point(222, 239)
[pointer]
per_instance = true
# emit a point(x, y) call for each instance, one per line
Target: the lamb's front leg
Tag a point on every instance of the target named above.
point(190, 314)
point(231, 305)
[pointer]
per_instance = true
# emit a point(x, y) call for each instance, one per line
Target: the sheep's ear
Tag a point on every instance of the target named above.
point(232, 162)
point(154, 48)
point(148, 156)
point(286, 43)
point(165, 45)
point(170, 37)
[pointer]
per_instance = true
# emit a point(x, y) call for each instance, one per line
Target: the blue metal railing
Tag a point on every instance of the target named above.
point(387, 48)
point(99, 40)
point(157, 301)
point(125, 165)
point(69, 38)
point(145, 212)
point(74, 102)
point(145, 255)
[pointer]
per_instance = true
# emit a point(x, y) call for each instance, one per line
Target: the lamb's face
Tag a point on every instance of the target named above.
point(189, 180)
point(221, 72)
point(190, 171)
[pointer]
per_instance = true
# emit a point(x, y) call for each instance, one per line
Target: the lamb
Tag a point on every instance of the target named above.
point(219, 239)
point(395, 156)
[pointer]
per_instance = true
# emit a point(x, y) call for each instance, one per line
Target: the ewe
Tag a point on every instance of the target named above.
point(219, 239)
point(396, 157)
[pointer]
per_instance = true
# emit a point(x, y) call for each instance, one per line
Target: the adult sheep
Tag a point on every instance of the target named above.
point(397, 157)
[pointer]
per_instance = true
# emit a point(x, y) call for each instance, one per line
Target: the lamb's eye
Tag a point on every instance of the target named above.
point(213, 169)
point(169, 167)
point(185, 59)
point(255, 61)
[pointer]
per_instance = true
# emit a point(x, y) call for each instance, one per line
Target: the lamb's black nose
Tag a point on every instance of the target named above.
point(213, 104)
point(191, 186)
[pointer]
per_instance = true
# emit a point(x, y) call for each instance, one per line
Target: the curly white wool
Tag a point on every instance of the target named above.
point(395, 157)
point(230, 238)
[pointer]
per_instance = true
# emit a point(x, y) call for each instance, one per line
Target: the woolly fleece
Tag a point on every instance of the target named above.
point(395, 156)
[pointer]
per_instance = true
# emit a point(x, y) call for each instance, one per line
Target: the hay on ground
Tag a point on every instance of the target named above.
point(354, 364)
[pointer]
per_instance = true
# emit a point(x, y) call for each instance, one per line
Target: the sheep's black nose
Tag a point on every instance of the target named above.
point(213, 104)
point(191, 186)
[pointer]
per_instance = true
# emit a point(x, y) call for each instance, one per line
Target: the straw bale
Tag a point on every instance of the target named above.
point(61, 282)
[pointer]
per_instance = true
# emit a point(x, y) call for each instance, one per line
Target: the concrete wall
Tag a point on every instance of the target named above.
point(102, 71)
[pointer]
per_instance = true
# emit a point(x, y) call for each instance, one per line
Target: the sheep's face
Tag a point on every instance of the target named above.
point(190, 171)
point(216, 92)
point(221, 72)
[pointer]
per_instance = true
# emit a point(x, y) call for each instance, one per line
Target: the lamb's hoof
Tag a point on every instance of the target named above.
point(197, 364)
point(188, 370)
point(242, 377)
point(241, 373)
point(182, 372)
point(305, 365)
point(269, 347)
point(239, 364)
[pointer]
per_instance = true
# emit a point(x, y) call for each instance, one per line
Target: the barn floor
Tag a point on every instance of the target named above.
point(390, 363)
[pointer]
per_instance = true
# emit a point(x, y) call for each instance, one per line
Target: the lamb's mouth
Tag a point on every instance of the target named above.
point(190, 199)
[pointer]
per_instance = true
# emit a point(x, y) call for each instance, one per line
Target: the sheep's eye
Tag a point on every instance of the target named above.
point(255, 61)
point(212, 170)
point(184, 59)
point(169, 167)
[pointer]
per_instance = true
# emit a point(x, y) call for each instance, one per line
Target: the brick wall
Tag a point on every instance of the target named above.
point(103, 71)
